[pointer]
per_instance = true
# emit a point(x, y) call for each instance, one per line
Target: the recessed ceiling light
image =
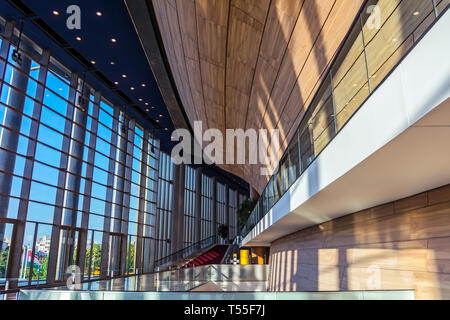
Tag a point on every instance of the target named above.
point(116, 83)
point(157, 120)
point(166, 129)
point(146, 103)
point(93, 62)
point(114, 40)
point(99, 13)
point(147, 110)
point(394, 40)
point(140, 99)
point(132, 88)
point(160, 115)
point(56, 13)
point(124, 76)
point(143, 85)
point(112, 63)
point(78, 38)
point(416, 13)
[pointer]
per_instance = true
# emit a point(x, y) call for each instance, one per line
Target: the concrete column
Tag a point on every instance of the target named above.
point(198, 205)
point(88, 183)
point(126, 195)
point(75, 162)
point(116, 251)
point(19, 227)
point(56, 271)
point(12, 119)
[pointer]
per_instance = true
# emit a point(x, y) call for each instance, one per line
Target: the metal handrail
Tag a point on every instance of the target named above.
point(231, 249)
point(184, 252)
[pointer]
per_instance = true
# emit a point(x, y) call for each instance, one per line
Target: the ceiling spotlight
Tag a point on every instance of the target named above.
point(93, 62)
point(116, 83)
point(166, 129)
point(99, 13)
point(416, 13)
point(132, 88)
point(113, 40)
point(56, 13)
point(140, 99)
point(147, 110)
point(112, 63)
point(78, 38)
point(124, 76)
point(160, 115)
point(157, 120)
point(146, 103)
point(143, 85)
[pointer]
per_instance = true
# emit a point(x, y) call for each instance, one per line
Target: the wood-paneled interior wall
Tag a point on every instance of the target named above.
point(400, 245)
point(251, 63)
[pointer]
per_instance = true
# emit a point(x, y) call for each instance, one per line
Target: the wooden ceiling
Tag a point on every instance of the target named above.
point(251, 63)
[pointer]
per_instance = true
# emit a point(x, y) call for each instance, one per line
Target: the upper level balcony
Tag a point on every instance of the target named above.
point(377, 130)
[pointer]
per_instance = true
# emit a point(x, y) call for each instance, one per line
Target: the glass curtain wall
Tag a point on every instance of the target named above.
point(64, 175)
point(82, 183)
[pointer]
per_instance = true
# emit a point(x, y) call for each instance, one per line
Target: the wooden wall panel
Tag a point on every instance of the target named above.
point(188, 28)
point(278, 29)
point(212, 22)
point(327, 43)
point(400, 245)
point(251, 63)
point(166, 15)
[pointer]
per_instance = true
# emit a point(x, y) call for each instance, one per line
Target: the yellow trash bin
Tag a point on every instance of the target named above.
point(244, 256)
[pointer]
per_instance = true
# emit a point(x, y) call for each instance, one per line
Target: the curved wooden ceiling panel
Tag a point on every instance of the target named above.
point(251, 63)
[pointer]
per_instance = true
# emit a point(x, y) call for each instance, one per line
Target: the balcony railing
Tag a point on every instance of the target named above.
point(369, 53)
point(185, 252)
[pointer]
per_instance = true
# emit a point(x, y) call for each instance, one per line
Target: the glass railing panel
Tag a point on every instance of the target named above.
point(306, 148)
point(350, 80)
point(284, 173)
point(294, 161)
point(384, 8)
point(395, 37)
point(323, 128)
